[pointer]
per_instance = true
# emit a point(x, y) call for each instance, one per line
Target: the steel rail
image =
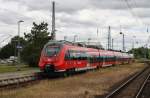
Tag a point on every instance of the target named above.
point(110, 95)
point(142, 87)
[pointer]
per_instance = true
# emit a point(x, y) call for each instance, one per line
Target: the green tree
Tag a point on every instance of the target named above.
point(10, 49)
point(35, 42)
point(7, 51)
point(141, 52)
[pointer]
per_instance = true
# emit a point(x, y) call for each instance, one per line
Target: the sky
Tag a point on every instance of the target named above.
point(81, 18)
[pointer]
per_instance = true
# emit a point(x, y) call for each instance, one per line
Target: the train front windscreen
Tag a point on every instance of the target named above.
point(52, 51)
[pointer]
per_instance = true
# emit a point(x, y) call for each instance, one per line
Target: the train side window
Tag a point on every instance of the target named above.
point(83, 55)
point(97, 58)
point(72, 55)
point(90, 59)
point(67, 55)
point(106, 58)
point(78, 55)
point(110, 58)
point(115, 58)
point(101, 58)
point(75, 55)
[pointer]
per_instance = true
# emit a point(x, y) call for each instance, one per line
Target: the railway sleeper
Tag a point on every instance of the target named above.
point(21, 80)
point(25, 79)
point(11, 81)
point(29, 78)
point(3, 82)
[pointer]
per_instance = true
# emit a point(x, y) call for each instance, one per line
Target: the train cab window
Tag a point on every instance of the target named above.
point(52, 51)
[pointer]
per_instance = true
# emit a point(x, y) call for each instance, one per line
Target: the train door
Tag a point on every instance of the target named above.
point(68, 60)
point(100, 60)
point(104, 63)
point(115, 59)
point(81, 59)
point(88, 60)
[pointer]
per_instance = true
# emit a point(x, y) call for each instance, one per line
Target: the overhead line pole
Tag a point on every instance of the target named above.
point(18, 45)
point(112, 44)
point(109, 38)
point(53, 33)
point(123, 41)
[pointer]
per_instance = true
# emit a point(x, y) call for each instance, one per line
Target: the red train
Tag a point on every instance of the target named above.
point(61, 56)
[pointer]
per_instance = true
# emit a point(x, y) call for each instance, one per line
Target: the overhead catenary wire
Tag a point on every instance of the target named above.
point(136, 16)
point(133, 13)
point(5, 39)
point(147, 30)
point(135, 4)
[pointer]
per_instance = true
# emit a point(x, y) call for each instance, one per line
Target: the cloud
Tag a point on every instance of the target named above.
point(76, 17)
point(142, 13)
point(120, 4)
point(61, 5)
point(9, 17)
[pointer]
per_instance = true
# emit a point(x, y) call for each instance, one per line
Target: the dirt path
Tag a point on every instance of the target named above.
point(91, 83)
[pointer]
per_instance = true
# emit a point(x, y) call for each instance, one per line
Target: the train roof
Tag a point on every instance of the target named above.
point(84, 47)
point(80, 44)
point(55, 42)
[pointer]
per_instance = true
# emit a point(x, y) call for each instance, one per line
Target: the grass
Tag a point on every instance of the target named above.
point(94, 83)
point(11, 68)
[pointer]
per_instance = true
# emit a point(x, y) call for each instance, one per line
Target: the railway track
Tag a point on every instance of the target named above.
point(19, 80)
point(145, 89)
point(132, 87)
point(12, 81)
